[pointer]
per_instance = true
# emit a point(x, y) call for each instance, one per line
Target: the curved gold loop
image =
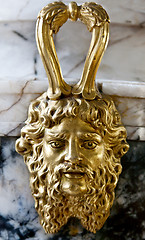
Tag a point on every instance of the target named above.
point(97, 21)
point(50, 19)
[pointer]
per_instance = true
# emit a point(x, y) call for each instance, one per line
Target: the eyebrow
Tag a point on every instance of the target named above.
point(64, 135)
point(61, 135)
point(91, 135)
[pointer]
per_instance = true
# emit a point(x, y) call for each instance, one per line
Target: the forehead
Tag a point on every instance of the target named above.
point(71, 126)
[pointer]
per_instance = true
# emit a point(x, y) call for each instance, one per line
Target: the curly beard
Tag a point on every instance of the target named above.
point(93, 208)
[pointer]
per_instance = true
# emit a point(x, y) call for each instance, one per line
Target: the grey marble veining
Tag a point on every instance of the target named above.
point(123, 60)
point(19, 220)
point(15, 98)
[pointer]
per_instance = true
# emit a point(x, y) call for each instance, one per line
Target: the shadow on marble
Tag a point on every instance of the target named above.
point(19, 220)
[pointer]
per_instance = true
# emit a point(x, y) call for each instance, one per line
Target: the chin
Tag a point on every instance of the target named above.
point(73, 185)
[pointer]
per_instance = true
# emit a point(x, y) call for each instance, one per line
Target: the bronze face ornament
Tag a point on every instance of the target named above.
point(73, 138)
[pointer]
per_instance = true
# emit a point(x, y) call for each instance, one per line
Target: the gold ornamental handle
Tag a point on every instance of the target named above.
point(50, 19)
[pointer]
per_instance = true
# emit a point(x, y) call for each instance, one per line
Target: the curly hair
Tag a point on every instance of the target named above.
point(100, 114)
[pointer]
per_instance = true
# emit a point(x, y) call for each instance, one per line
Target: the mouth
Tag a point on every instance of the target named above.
point(74, 174)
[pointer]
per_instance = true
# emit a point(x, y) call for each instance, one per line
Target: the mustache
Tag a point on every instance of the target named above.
point(55, 175)
point(74, 167)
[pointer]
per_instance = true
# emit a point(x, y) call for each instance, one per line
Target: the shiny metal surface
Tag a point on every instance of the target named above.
point(73, 138)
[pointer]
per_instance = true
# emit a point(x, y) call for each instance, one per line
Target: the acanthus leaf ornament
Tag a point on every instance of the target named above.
point(73, 138)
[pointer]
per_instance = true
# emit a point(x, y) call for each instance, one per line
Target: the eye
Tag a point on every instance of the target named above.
point(89, 144)
point(57, 144)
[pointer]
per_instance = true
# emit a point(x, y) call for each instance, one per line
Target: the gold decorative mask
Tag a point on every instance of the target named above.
point(73, 138)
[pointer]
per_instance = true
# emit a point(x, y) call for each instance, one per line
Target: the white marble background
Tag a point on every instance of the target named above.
point(124, 58)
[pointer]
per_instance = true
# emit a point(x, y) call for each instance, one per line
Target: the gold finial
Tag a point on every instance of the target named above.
point(73, 11)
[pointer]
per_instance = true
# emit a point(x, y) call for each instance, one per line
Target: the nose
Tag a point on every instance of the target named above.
point(72, 152)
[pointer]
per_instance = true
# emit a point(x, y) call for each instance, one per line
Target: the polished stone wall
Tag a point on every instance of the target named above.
point(19, 220)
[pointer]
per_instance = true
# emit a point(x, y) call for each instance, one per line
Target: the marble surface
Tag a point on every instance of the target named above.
point(15, 97)
point(19, 220)
point(126, 11)
point(123, 60)
point(23, 78)
point(18, 50)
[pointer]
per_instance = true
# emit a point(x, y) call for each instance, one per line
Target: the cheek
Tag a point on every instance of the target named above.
point(95, 157)
point(51, 156)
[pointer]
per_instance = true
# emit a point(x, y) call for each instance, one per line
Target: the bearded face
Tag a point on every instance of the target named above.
point(72, 148)
point(77, 178)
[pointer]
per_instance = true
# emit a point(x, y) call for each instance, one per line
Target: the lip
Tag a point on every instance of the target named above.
point(73, 175)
